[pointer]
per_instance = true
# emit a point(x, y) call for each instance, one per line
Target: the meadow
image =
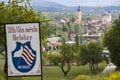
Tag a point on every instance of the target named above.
point(55, 73)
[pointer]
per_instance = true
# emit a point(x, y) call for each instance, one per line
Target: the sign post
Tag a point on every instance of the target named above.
point(23, 49)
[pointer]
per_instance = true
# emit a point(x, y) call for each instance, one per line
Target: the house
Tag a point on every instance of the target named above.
point(72, 36)
point(53, 43)
point(93, 37)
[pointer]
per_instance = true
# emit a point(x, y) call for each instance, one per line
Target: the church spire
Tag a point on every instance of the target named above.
point(78, 8)
point(79, 15)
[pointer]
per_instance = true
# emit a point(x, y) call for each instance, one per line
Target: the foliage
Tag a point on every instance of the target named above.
point(66, 52)
point(76, 48)
point(53, 57)
point(11, 14)
point(2, 36)
point(114, 76)
point(91, 53)
point(61, 58)
point(82, 77)
point(64, 37)
point(53, 29)
point(56, 28)
point(54, 73)
point(78, 28)
point(112, 41)
point(15, 13)
point(77, 41)
point(71, 27)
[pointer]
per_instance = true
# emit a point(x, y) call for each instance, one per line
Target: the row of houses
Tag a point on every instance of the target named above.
point(54, 42)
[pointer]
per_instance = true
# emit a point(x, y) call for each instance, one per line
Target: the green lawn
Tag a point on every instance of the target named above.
point(55, 73)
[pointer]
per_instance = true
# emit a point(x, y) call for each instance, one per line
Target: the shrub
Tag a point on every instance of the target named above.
point(82, 77)
point(114, 76)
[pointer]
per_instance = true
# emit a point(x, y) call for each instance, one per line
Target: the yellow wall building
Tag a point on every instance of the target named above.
point(79, 15)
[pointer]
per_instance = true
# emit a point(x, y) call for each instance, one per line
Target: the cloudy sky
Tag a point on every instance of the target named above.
point(87, 2)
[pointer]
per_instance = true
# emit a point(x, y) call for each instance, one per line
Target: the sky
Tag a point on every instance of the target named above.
point(88, 2)
point(100, 3)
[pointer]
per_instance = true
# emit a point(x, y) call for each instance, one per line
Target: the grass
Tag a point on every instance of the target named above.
point(2, 60)
point(55, 73)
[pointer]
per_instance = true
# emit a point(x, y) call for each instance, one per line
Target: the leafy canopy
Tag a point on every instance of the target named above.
point(112, 41)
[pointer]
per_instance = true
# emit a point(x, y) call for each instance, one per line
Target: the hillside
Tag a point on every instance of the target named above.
point(47, 6)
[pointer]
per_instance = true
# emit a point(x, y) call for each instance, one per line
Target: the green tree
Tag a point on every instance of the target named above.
point(70, 27)
point(53, 29)
point(91, 53)
point(62, 58)
point(77, 40)
point(53, 58)
point(64, 37)
point(73, 19)
point(66, 52)
point(78, 28)
point(65, 28)
point(112, 41)
point(76, 47)
point(2, 38)
point(14, 13)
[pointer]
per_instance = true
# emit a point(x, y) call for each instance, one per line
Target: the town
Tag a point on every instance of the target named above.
point(59, 40)
point(87, 29)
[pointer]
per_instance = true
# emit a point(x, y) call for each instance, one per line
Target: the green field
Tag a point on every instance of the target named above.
point(55, 73)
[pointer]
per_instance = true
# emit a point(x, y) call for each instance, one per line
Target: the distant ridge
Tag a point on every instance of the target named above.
point(48, 6)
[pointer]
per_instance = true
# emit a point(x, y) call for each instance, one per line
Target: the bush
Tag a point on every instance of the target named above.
point(82, 77)
point(114, 76)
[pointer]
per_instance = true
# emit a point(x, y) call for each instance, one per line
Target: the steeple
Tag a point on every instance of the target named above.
point(79, 15)
point(78, 8)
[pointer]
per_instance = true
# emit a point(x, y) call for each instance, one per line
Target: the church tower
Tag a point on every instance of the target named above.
point(79, 15)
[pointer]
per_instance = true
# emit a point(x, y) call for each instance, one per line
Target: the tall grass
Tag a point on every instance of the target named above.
point(55, 73)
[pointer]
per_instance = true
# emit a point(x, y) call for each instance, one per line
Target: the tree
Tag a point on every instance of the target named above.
point(14, 13)
point(62, 58)
point(77, 40)
point(53, 28)
point(66, 52)
point(70, 27)
point(25, 3)
point(91, 53)
point(76, 47)
point(73, 19)
point(64, 37)
point(65, 28)
point(53, 58)
point(78, 28)
point(112, 41)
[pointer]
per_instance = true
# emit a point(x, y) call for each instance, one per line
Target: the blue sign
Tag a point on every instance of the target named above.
point(23, 57)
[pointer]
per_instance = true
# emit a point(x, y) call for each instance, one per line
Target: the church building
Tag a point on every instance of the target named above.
point(79, 15)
